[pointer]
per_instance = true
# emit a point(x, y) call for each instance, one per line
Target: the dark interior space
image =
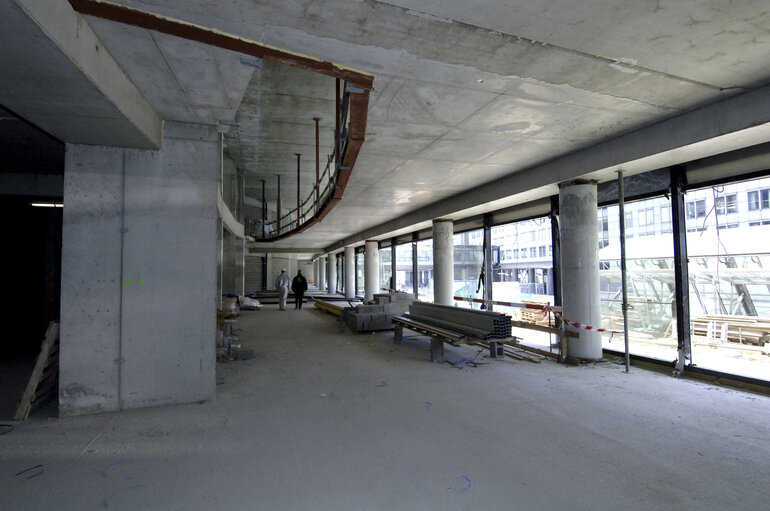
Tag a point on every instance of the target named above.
point(31, 259)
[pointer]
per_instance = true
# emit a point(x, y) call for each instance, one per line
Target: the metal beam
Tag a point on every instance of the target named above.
point(681, 273)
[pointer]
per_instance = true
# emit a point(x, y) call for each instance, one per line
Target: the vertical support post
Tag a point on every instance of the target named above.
point(398, 333)
point(264, 212)
point(331, 273)
point(278, 208)
point(299, 199)
point(623, 281)
point(580, 265)
point(488, 275)
point(317, 164)
point(415, 267)
point(337, 132)
point(443, 261)
point(556, 267)
point(371, 269)
point(264, 272)
point(350, 272)
point(436, 351)
point(322, 273)
point(681, 271)
point(393, 264)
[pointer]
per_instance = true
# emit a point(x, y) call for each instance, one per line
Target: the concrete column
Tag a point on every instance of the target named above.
point(580, 265)
point(139, 262)
point(237, 251)
point(371, 269)
point(443, 262)
point(321, 273)
point(350, 272)
point(331, 274)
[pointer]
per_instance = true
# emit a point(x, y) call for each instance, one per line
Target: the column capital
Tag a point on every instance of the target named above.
point(574, 182)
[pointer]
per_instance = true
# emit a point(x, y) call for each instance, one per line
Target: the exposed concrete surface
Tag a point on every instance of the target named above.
point(579, 250)
point(350, 272)
point(59, 71)
point(443, 262)
point(91, 280)
point(324, 419)
point(476, 103)
point(139, 273)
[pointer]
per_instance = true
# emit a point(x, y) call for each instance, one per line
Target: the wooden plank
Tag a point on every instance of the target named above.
point(51, 336)
point(541, 328)
point(567, 359)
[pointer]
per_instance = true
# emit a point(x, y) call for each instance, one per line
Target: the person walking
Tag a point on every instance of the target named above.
point(299, 286)
point(282, 285)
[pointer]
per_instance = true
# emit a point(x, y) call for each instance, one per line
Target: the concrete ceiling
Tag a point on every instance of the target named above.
point(467, 94)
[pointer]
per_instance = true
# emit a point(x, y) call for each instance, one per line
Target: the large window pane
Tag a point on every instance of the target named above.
point(386, 270)
point(404, 280)
point(729, 256)
point(650, 278)
point(468, 259)
point(425, 270)
point(520, 277)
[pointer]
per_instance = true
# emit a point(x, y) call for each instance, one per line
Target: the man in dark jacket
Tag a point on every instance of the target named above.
point(298, 286)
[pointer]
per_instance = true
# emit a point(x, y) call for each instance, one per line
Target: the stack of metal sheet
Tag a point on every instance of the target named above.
point(474, 323)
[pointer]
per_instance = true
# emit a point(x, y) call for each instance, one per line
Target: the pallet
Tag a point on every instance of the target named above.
point(44, 380)
point(737, 329)
point(535, 316)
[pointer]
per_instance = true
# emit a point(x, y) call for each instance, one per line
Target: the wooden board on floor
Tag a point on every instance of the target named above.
point(46, 372)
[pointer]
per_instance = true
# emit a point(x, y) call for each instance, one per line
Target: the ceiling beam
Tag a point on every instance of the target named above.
point(201, 34)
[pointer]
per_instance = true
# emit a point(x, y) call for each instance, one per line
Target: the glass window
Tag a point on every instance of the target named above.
point(753, 200)
point(526, 279)
point(468, 258)
point(425, 270)
point(650, 277)
point(732, 203)
point(719, 204)
point(765, 197)
point(665, 219)
point(404, 280)
point(729, 284)
point(695, 209)
point(386, 270)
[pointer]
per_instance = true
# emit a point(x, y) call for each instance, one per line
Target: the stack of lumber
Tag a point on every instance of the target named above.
point(740, 329)
point(329, 307)
point(535, 316)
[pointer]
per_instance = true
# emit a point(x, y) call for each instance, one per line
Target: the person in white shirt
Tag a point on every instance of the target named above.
point(282, 285)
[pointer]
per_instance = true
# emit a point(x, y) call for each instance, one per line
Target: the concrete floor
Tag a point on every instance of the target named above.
point(326, 420)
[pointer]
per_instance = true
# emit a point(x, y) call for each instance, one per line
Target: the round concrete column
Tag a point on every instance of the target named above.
point(350, 272)
point(580, 265)
point(321, 273)
point(443, 262)
point(331, 273)
point(371, 269)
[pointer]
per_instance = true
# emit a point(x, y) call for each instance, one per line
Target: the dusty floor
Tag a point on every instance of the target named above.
point(323, 419)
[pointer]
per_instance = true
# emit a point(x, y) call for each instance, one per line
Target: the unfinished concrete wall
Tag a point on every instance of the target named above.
point(139, 283)
point(253, 273)
point(233, 263)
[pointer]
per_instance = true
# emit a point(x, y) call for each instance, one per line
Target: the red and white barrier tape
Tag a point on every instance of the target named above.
point(545, 309)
